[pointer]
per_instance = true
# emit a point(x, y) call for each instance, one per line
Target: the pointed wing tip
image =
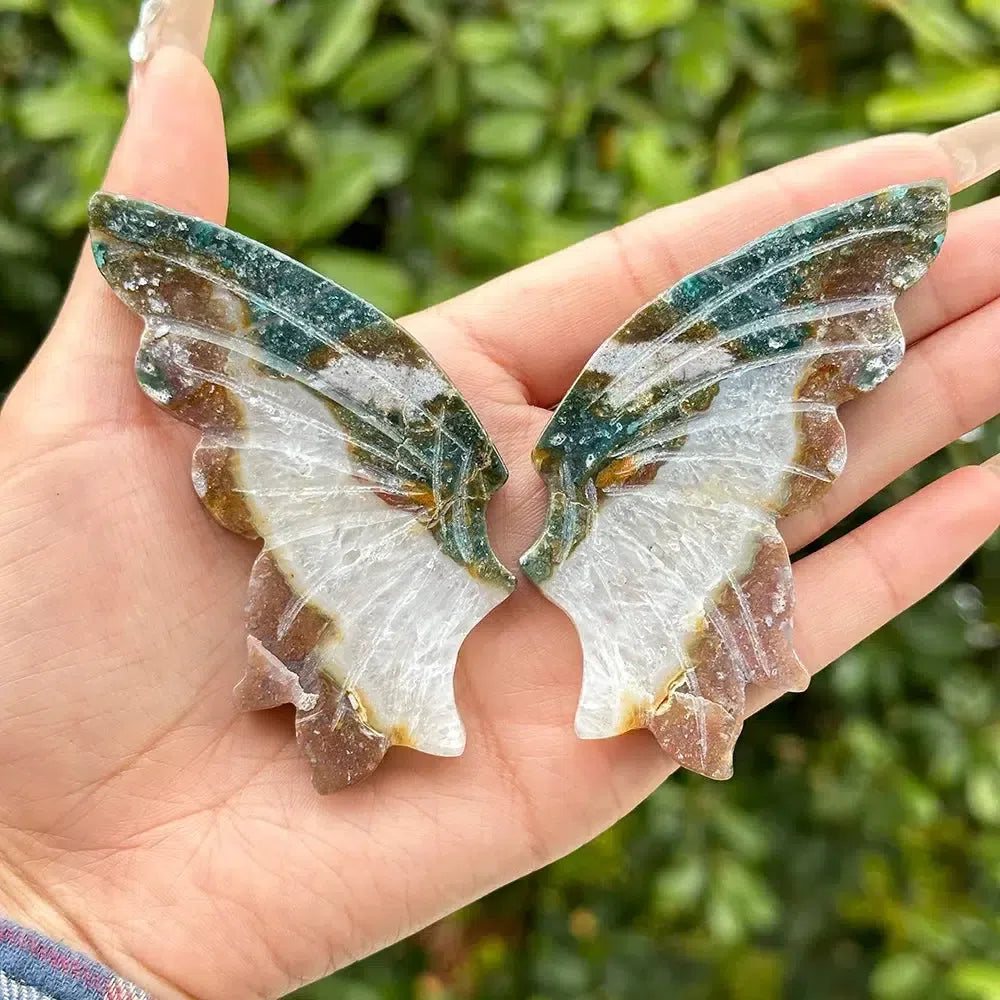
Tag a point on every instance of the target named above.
point(508, 581)
point(797, 680)
point(99, 199)
point(104, 205)
point(97, 202)
point(535, 566)
point(715, 763)
point(700, 735)
point(931, 185)
point(100, 206)
point(938, 184)
point(105, 210)
point(496, 577)
point(447, 748)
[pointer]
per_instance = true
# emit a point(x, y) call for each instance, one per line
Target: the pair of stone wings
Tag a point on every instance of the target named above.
point(330, 434)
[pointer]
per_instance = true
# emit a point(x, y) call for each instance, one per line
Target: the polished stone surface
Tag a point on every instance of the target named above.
point(333, 436)
point(709, 414)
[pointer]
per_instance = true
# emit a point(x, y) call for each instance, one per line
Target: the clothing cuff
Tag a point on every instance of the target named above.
point(34, 968)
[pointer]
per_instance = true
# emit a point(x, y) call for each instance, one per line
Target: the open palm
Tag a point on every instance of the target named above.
point(146, 821)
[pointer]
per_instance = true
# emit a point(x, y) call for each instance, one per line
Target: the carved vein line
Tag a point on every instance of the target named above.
point(744, 286)
point(689, 426)
point(783, 319)
point(800, 354)
point(296, 321)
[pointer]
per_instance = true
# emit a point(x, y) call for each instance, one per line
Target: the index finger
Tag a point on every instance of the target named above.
point(543, 321)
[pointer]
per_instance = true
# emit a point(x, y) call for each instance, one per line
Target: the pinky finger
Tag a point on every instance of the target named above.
point(856, 584)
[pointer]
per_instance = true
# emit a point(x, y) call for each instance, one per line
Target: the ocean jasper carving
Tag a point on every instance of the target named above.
point(709, 414)
point(333, 436)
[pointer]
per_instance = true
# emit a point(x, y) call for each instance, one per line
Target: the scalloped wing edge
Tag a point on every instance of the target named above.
point(699, 729)
point(333, 726)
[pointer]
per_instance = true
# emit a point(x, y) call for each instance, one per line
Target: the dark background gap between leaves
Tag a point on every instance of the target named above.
point(413, 148)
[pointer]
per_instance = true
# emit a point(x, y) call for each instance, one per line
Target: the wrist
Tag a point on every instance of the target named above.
point(31, 923)
point(23, 904)
point(37, 967)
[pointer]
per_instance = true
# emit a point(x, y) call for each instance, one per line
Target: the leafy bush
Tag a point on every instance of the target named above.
point(415, 147)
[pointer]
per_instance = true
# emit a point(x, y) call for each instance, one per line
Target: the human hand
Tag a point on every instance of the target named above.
point(146, 821)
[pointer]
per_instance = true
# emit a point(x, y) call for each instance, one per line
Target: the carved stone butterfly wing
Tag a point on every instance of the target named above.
point(333, 436)
point(708, 415)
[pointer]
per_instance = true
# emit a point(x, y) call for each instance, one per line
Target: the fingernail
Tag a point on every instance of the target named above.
point(184, 23)
point(974, 149)
point(993, 464)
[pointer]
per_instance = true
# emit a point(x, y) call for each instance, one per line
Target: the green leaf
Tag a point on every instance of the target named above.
point(221, 41)
point(577, 106)
point(92, 153)
point(748, 894)
point(480, 41)
point(723, 921)
point(506, 135)
point(982, 791)
point(382, 282)
point(663, 176)
point(755, 975)
point(677, 889)
point(250, 13)
point(575, 22)
point(986, 10)
point(253, 124)
point(71, 108)
point(630, 107)
point(905, 976)
point(638, 18)
point(387, 151)
point(336, 195)
point(959, 96)
point(546, 234)
point(261, 209)
point(703, 63)
point(89, 29)
point(938, 27)
point(387, 71)
point(17, 240)
point(485, 228)
point(425, 16)
point(447, 87)
point(516, 83)
point(543, 182)
point(619, 64)
point(347, 27)
point(976, 980)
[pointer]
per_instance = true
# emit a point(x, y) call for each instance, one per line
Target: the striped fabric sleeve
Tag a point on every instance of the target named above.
point(34, 968)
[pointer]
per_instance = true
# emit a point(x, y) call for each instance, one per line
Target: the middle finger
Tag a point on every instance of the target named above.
point(946, 385)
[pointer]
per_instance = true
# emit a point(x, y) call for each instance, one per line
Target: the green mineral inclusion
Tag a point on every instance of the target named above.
point(302, 320)
point(876, 245)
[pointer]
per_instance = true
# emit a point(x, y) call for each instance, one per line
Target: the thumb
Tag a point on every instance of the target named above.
point(172, 151)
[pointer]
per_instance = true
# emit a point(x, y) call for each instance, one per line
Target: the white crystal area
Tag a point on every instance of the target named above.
point(644, 581)
point(636, 586)
point(401, 606)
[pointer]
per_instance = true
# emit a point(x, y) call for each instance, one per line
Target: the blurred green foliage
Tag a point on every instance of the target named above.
point(412, 148)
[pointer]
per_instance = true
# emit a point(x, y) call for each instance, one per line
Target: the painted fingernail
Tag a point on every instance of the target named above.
point(974, 149)
point(993, 464)
point(183, 23)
